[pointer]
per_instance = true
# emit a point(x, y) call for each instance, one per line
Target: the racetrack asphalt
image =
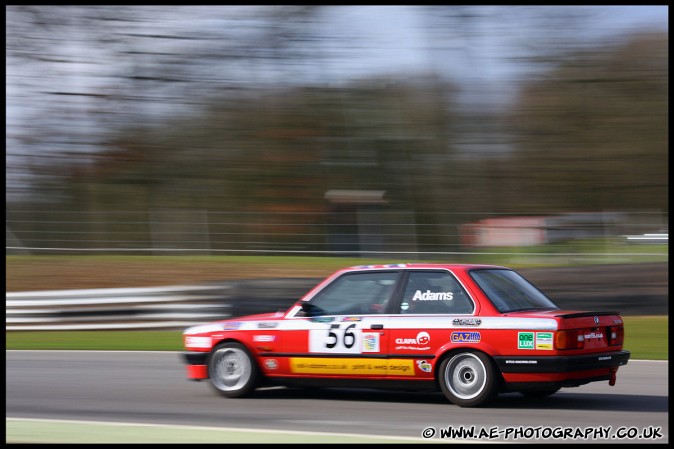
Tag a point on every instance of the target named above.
point(116, 396)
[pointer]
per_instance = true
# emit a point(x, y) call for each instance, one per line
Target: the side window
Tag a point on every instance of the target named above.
point(434, 292)
point(355, 294)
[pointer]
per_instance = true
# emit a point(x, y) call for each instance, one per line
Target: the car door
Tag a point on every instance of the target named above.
point(429, 302)
point(342, 331)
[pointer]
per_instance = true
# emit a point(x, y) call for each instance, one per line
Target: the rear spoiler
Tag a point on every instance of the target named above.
point(581, 314)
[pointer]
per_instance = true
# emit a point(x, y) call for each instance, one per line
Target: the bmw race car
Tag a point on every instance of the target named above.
point(470, 331)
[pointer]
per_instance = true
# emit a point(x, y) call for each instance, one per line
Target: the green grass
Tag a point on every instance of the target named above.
point(96, 340)
point(573, 253)
point(300, 261)
point(645, 337)
point(579, 252)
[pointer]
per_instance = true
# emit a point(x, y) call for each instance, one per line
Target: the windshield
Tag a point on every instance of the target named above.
point(509, 291)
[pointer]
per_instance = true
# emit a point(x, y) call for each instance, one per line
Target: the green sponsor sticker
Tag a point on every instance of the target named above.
point(544, 340)
point(525, 340)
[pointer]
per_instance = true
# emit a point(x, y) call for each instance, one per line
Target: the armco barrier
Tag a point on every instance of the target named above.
point(173, 307)
point(123, 308)
point(640, 289)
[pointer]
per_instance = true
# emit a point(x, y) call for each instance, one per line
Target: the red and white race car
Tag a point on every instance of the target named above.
point(471, 331)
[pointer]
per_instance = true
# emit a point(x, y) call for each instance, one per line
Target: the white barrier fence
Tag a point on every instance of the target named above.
point(112, 309)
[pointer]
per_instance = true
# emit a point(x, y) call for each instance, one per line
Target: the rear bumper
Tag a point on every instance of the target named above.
point(562, 364)
point(537, 373)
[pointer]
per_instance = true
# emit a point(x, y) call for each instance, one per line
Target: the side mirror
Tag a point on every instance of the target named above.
point(311, 310)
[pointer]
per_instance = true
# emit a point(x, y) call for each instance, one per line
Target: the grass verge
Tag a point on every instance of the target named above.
point(645, 337)
point(62, 272)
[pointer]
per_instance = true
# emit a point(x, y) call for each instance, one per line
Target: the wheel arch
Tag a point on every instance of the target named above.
point(450, 351)
point(245, 380)
point(234, 339)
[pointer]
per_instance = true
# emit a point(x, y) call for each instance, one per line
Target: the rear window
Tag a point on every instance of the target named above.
point(510, 292)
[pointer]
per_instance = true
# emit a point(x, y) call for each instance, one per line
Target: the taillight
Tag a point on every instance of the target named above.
point(616, 335)
point(570, 339)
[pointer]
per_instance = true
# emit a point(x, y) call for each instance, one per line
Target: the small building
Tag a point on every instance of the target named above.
point(539, 230)
point(504, 231)
point(347, 233)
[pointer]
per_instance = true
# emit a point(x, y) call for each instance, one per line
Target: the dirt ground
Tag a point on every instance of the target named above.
point(33, 274)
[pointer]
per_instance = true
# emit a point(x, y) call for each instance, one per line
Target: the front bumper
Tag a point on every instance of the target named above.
point(194, 358)
point(196, 365)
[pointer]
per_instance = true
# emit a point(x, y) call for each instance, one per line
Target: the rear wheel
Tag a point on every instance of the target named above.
point(232, 370)
point(468, 379)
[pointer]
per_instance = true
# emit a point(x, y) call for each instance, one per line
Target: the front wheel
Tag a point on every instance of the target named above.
point(468, 379)
point(232, 370)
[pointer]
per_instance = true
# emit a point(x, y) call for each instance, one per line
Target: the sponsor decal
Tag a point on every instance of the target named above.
point(465, 337)
point(419, 343)
point(596, 320)
point(520, 324)
point(424, 366)
point(198, 342)
point(401, 368)
point(521, 362)
point(267, 324)
point(321, 319)
point(606, 357)
point(341, 338)
point(231, 326)
point(271, 364)
point(617, 321)
point(404, 306)
point(544, 340)
point(467, 322)
point(391, 265)
point(370, 342)
point(204, 328)
point(432, 296)
point(596, 335)
point(525, 340)
point(351, 318)
point(346, 366)
point(264, 338)
point(423, 338)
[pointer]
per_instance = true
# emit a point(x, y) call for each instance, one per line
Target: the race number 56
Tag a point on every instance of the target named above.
point(339, 338)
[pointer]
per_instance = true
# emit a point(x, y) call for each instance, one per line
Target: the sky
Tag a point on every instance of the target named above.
point(399, 41)
point(481, 57)
point(397, 36)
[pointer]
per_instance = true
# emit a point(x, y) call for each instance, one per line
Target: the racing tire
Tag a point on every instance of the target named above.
point(468, 379)
point(232, 370)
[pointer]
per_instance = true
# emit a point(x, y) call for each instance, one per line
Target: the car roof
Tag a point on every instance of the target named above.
point(422, 265)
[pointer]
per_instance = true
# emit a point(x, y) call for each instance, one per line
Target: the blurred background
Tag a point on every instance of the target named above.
point(425, 132)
